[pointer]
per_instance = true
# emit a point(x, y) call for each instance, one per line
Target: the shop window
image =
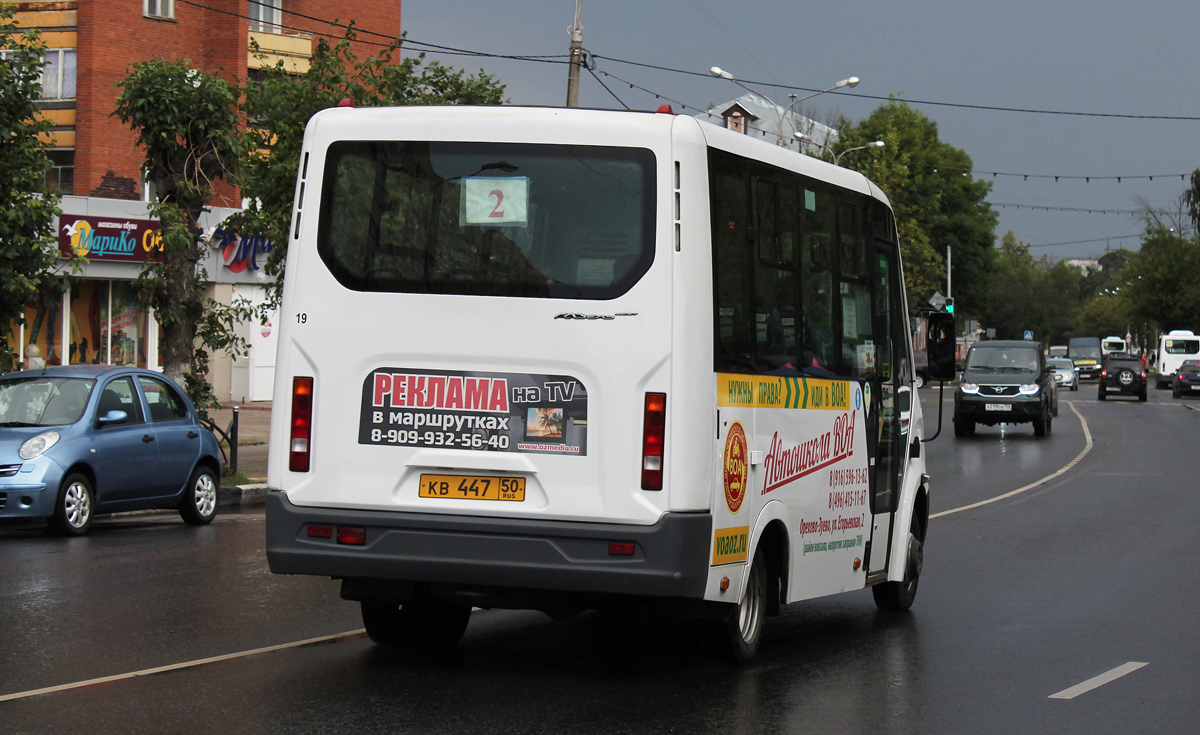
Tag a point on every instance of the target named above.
point(43, 328)
point(124, 327)
point(89, 307)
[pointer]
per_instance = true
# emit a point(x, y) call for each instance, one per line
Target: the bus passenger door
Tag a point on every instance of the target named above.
point(889, 403)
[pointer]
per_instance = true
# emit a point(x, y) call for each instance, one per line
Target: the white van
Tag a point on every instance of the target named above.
point(1113, 344)
point(553, 358)
point(1173, 348)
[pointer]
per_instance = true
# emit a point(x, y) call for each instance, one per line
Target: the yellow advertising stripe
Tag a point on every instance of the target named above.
point(771, 391)
point(730, 545)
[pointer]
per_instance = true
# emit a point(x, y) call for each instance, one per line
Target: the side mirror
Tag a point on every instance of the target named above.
point(939, 344)
point(113, 417)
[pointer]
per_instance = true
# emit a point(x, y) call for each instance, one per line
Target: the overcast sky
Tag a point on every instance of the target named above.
point(1103, 56)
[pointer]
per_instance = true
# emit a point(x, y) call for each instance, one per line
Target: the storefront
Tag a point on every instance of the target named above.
point(97, 320)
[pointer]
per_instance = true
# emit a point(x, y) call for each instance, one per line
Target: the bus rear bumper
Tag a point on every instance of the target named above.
point(670, 558)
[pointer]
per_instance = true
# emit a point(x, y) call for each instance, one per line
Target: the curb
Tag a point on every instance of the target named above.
point(233, 496)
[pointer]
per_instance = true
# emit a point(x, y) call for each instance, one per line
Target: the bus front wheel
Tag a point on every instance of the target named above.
point(899, 596)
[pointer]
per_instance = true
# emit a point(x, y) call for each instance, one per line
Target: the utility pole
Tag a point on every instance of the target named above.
point(576, 56)
point(949, 282)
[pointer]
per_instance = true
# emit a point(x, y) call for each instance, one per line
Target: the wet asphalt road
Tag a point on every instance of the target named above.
point(1020, 599)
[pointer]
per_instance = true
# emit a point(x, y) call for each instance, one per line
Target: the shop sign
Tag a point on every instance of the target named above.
point(241, 253)
point(109, 238)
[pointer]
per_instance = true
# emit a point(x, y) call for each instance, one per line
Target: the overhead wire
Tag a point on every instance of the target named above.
point(592, 69)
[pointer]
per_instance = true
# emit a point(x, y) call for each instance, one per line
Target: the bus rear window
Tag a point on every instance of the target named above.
point(549, 221)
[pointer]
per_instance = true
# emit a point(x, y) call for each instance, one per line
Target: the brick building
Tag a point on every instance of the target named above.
point(91, 44)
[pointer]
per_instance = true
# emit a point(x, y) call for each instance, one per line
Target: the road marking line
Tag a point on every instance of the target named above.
point(347, 636)
point(1099, 681)
point(1087, 434)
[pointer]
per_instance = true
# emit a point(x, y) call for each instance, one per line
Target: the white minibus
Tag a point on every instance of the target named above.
point(555, 359)
point(1113, 344)
point(1173, 348)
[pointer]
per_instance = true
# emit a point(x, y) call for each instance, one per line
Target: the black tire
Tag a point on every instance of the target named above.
point(899, 596)
point(963, 428)
point(199, 505)
point(1142, 396)
point(919, 381)
point(1100, 393)
point(742, 628)
point(423, 623)
point(73, 508)
point(1175, 393)
point(1041, 425)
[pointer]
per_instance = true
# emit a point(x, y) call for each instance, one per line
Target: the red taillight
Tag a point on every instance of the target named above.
point(301, 433)
point(654, 424)
point(1103, 374)
point(351, 536)
point(616, 549)
point(320, 531)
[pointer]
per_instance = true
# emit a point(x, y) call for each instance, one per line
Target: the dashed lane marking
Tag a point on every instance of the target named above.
point(1098, 681)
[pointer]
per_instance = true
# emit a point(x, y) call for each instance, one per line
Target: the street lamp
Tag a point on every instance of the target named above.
point(808, 139)
point(720, 73)
point(837, 156)
point(872, 144)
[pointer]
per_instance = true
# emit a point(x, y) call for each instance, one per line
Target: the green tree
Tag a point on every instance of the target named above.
point(186, 121)
point(27, 238)
point(1163, 281)
point(938, 203)
point(1032, 294)
point(279, 105)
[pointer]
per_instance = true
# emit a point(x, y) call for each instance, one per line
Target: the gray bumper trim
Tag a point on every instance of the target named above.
point(670, 558)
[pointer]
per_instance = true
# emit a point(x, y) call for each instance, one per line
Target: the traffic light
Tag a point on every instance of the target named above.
point(949, 305)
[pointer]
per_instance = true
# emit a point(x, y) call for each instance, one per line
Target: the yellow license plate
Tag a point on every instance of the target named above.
point(473, 487)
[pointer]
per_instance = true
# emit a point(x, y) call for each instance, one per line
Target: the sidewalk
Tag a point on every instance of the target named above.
point(254, 425)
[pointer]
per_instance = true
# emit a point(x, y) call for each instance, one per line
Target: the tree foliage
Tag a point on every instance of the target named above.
point(186, 121)
point(1163, 281)
point(1033, 294)
point(937, 202)
point(27, 237)
point(279, 105)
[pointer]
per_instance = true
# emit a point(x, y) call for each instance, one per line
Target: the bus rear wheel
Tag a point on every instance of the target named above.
point(422, 623)
point(742, 629)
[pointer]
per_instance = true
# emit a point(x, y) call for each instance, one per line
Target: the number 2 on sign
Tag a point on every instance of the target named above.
point(497, 212)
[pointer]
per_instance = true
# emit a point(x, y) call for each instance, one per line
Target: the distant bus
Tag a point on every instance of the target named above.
point(558, 358)
point(1113, 344)
point(1173, 348)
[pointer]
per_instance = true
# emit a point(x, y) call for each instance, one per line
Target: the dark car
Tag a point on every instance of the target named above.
point(1187, 380)
point(1004, 382)
point(1122, 374)
point(81, 440)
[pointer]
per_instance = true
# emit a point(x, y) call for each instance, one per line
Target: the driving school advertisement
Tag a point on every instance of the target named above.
point(495, 412)
point(801, 441)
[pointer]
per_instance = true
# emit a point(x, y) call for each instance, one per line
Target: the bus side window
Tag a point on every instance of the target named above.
point(732, 225)
point(819, 348)
point(860, 354)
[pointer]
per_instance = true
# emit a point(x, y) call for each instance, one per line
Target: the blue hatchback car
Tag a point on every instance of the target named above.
point(82, 440)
